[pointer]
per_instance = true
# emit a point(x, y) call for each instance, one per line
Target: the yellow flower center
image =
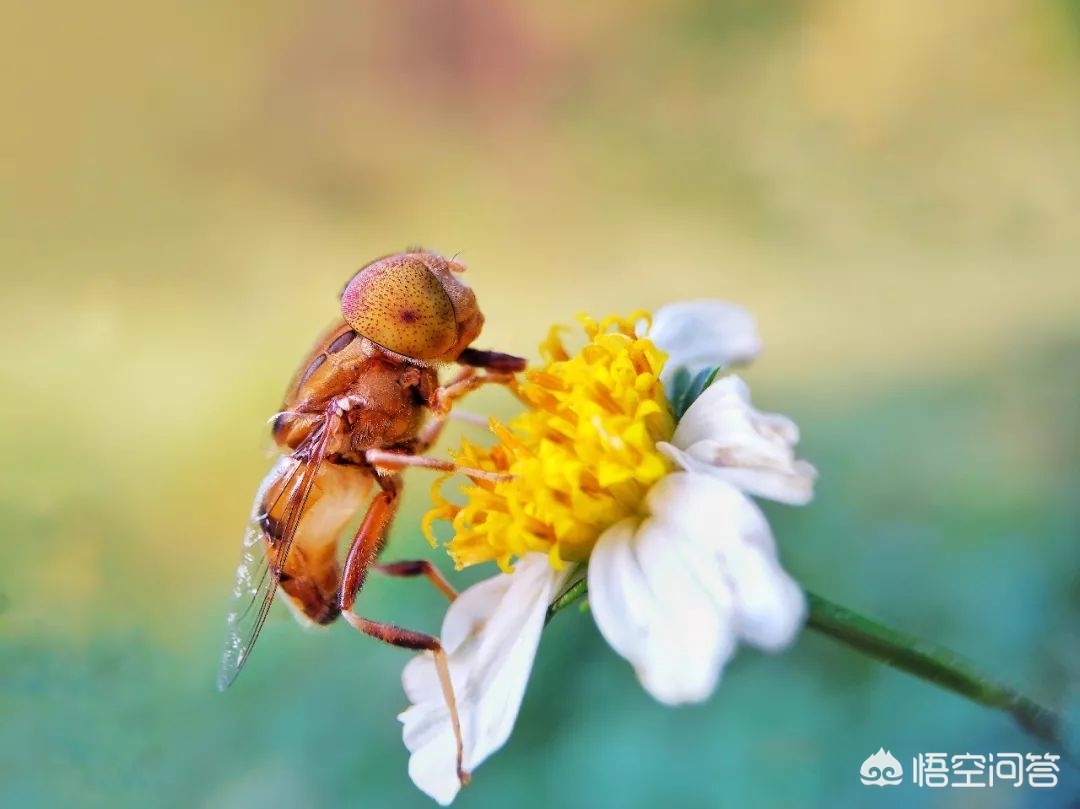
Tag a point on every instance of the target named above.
point(579, 459)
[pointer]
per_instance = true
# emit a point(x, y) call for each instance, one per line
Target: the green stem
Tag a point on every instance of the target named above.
point(907, 653)
point(932, 663)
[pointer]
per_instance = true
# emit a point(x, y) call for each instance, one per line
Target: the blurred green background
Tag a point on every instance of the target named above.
point(893, 187)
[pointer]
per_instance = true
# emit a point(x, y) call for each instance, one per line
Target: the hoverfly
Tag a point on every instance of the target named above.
point(353, 419)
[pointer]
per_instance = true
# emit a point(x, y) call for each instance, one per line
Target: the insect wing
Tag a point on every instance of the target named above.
point(288, 486)
point(254, 581)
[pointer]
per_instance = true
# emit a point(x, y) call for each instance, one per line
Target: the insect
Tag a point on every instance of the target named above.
point(354, 417)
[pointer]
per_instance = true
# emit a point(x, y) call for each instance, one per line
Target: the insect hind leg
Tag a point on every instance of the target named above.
point(368, 542)
point(362, 554)
point(419, 641)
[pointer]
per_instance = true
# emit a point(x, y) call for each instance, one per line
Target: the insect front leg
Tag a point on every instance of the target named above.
point(492, 360)
point(442, 398)
point(500, 370)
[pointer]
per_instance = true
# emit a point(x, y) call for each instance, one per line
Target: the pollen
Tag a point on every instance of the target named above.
point(578, 459)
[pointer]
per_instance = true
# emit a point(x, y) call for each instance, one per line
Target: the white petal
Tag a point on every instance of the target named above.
point(673, 595)
point(490, 635)
point(731, 544)
point(734, 547)
point(675, 626)
point(771, 607)
point(704, 333)
point(721, 434)
point(619, 596)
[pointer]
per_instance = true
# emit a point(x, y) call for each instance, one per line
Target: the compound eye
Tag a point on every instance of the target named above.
point(400, 304)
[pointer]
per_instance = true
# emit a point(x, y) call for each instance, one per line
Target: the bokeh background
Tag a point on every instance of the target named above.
point(893, 187)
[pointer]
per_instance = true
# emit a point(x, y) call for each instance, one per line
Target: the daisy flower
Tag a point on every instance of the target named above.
point(633, 460)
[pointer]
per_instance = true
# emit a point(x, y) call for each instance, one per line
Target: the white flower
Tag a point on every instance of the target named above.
point(673, 592)
point(490, 635)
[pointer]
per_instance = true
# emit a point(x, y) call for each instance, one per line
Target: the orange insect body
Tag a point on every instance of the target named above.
point(392, 395)
point(354, 416)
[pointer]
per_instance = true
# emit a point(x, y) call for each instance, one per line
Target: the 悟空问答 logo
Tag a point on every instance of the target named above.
point(881, 769)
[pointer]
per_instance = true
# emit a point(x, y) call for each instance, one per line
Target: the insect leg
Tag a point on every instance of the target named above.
point(475, 419)
point(365, 549)
point(433, 429)
point(443, 398)
point(492, 360)
point(369, 540)
point(408, 639)
point(395, 461)
point(419, 567)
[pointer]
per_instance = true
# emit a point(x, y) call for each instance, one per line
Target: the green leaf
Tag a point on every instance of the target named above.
point(691, 389)
point(678, 386)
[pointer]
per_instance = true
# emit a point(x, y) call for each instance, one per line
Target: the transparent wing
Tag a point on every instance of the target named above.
point(287, 486)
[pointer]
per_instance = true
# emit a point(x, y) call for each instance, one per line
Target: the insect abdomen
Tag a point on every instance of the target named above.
point(311, 576)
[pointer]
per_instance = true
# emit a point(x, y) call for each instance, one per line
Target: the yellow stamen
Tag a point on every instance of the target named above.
point(582, 456)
